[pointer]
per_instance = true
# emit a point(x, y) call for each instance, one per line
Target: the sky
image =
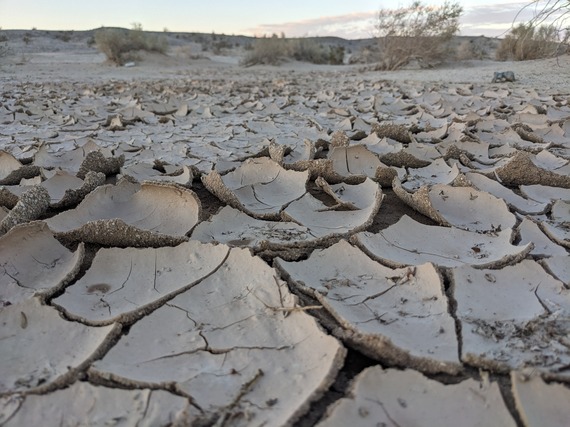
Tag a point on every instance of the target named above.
point(296, 18)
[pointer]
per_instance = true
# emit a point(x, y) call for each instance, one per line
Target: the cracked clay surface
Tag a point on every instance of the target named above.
point(220, 246)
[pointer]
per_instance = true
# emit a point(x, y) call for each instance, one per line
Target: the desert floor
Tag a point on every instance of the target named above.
point(190, 242)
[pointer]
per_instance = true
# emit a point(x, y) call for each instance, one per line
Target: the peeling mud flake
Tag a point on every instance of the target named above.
point(526, 169)
point(539, 403)
point(558, 227)
point(323, 220)
point(520, 204)
point(462, 207)
point(32, 204)
point(123, 283)
point(95, 161)
point(407, 398)
point(79, 160)
point(297, 158)
point(544, 193)
point(33, 262)
point(144, 215)
point(12, 171)
point(356, 161)
point(8, 164)
point(559, 267)
point(396, 316)
point(438, 172)
point(513, 318)
point(66, 190)
point(409, 242)
point(543, 246)
point(236, 342)
point(59, 347)
point(260, 187)
point(235, 228)
point(86, 404)
point(147, 172)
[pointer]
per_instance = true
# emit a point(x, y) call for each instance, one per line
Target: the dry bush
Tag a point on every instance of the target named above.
point(308, 50)
point(526, 42)
point(417, 32)
point(120, 46)
point(336, 55)
point(365, 55)
point(64, 36)
point(4, 49)
point(274, 50)
point(220, 45)
point(546, 34)
point(469, 49)
point(268, 51)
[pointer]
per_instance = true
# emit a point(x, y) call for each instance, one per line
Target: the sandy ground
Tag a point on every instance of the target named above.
point(80, 69)
point(89, 65)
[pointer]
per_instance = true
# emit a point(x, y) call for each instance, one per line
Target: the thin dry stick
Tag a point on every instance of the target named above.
point(284, 309)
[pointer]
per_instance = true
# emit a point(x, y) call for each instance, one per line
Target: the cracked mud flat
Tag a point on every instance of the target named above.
point(210, 245)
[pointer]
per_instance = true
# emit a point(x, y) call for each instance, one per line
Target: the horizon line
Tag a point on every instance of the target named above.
point(372, 37)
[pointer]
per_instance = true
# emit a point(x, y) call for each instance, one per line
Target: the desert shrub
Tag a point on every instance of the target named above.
point(417, 32)
point(155, 43)
point(307, 50)
point(275, 49)
point(220, 44)
point(525, 42)
point(546, 33)
point(365, 55)
point(4, 50)
point(267, 50)
point(469, 49)
point(114, 43)
point(336, 55)
point(120, 45)
point(64, 36)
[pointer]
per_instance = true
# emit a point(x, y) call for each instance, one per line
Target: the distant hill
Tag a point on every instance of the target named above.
point(45, 41)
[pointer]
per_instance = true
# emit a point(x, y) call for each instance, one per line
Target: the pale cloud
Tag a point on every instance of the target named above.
point(493, 19)
point(498, 19)
point(350, 26)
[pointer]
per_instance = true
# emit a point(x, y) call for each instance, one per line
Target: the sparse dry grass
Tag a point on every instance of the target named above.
point(120, 45)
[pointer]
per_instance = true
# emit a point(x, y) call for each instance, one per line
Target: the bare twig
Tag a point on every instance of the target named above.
point(284, 309)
